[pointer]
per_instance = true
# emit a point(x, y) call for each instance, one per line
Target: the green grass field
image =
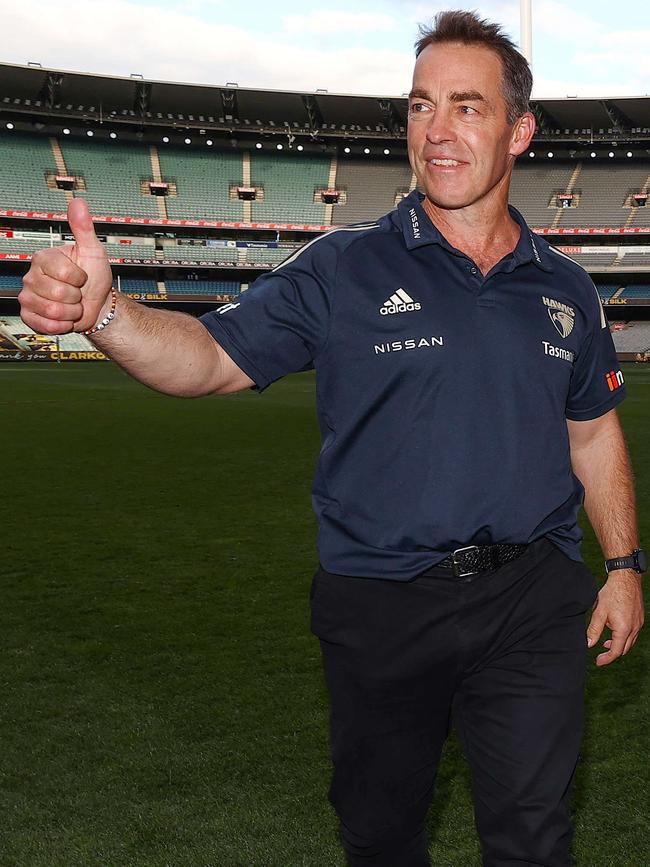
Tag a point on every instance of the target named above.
point(161, 695)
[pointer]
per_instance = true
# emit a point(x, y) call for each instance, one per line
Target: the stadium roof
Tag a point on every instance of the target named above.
point(34, 94)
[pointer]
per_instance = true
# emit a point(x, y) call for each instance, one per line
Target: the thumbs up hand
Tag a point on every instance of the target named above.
point(66, 287)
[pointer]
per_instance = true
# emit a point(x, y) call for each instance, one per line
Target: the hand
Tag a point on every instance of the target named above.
point(66, 287)
point(619, 607)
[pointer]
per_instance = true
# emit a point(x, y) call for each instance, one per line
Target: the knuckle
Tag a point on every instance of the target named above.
point(60, 293)
point(52, 310)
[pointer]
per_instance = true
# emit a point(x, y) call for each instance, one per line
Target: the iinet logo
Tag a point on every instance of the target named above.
point(399, 302)
point(614, 379)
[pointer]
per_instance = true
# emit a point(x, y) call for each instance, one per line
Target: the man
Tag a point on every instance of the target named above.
point(466, 385)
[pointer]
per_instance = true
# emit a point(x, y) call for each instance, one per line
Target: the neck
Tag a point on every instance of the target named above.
point(485, 235)
point(479, 227)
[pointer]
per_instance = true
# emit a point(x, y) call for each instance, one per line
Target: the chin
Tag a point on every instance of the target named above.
point(448, 201)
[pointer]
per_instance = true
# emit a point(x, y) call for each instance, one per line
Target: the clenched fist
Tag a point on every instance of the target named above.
point(66, 287)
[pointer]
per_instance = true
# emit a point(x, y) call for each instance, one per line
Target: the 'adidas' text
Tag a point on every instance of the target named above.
point(399, 302)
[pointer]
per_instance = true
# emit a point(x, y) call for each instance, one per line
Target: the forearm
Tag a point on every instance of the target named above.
point(604, 468)
point(167, 351)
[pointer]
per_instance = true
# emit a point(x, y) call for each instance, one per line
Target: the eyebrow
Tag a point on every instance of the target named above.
point(467, 96)
point(454, 96)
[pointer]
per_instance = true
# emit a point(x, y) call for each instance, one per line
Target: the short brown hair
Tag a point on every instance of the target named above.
point(468, 28)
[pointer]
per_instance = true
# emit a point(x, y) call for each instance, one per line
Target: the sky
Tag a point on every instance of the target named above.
point(580, 48)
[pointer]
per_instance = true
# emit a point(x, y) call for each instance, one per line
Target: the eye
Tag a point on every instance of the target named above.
point(417, 107)
point(467, 109)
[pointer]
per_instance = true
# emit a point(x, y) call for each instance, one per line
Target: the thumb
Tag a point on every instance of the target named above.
point(81, 225)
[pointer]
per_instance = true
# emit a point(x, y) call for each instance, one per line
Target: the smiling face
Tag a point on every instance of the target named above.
point(460, 143)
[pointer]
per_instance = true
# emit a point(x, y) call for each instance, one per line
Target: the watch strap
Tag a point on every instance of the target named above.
point(636, 560)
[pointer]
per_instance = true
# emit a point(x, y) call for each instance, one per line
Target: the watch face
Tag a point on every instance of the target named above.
point(642, 560)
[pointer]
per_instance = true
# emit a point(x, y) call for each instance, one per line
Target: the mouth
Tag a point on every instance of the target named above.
point(446, 163)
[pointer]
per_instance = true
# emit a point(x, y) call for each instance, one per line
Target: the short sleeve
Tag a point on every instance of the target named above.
point(597, 383)
point(281, 323)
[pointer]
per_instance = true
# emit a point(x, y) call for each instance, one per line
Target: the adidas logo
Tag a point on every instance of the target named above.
point(399, 302)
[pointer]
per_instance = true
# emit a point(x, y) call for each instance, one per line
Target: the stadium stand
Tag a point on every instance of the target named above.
point(27, 245)
point(594, 259)
point(370, 187)
point(289, 184)
point(11, 281)
point(203, 287)
point(132, 250)
point(638, 257)
point(133, 285)
point(533, 187)
point(113, 174)
point(25, 162)
point(634, 337)
point(603, 193)
point(606, 291)
point(203, 182)
point(639, 291)
point(269, 255)
point(198, 253)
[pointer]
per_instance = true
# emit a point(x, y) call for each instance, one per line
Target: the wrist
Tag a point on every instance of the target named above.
point(106, 314)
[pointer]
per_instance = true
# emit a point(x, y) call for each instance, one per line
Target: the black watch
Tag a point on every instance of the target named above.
point(637, 560)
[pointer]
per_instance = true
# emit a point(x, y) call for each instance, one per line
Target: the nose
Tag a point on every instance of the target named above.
point(440, 127)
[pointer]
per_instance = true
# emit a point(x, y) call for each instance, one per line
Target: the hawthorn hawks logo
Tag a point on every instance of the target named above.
point(562, 316)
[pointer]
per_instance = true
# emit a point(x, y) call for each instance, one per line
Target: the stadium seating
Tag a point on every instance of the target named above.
point(603, 193)
point(202, 287)
point(269, 255)
point(639, 291)
point(637, 258)
point(370, 188)
point(113, 173)
point(26, 245)
point(131, 285)
point(25, 161)
point(289, 183)
point(131, 251)
point(11, 281)
point(594, 259)
point(199, 253)
point(606, 291)
point(533, 186)
point(203, 180)
point(633, 338)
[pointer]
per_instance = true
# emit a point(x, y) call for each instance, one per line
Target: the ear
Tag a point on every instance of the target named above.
point(522, 133)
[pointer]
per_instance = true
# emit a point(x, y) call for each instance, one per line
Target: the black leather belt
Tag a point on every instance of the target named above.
point(480, 558)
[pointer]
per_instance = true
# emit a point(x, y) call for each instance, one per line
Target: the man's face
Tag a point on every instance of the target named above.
point(460, 144)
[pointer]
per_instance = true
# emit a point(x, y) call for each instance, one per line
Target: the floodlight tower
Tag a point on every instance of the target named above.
point(526, 26)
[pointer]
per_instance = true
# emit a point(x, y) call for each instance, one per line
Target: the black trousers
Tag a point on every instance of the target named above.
point(501, 656)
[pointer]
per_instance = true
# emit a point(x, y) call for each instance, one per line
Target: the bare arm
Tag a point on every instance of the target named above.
point(67, 289)
point(171, 352)
point(601, 461)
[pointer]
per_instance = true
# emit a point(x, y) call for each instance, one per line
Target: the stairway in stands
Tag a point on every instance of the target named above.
point(61, 168)
point(158, 179)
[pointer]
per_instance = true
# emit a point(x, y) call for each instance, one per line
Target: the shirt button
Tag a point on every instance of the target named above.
point(473, 270)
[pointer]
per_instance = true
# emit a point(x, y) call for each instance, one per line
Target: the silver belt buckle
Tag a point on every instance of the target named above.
point(456, 566)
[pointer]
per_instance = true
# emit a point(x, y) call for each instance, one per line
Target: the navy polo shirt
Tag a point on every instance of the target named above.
point(442, 394)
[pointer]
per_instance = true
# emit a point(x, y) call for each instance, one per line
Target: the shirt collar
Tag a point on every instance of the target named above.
point(418, 230)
